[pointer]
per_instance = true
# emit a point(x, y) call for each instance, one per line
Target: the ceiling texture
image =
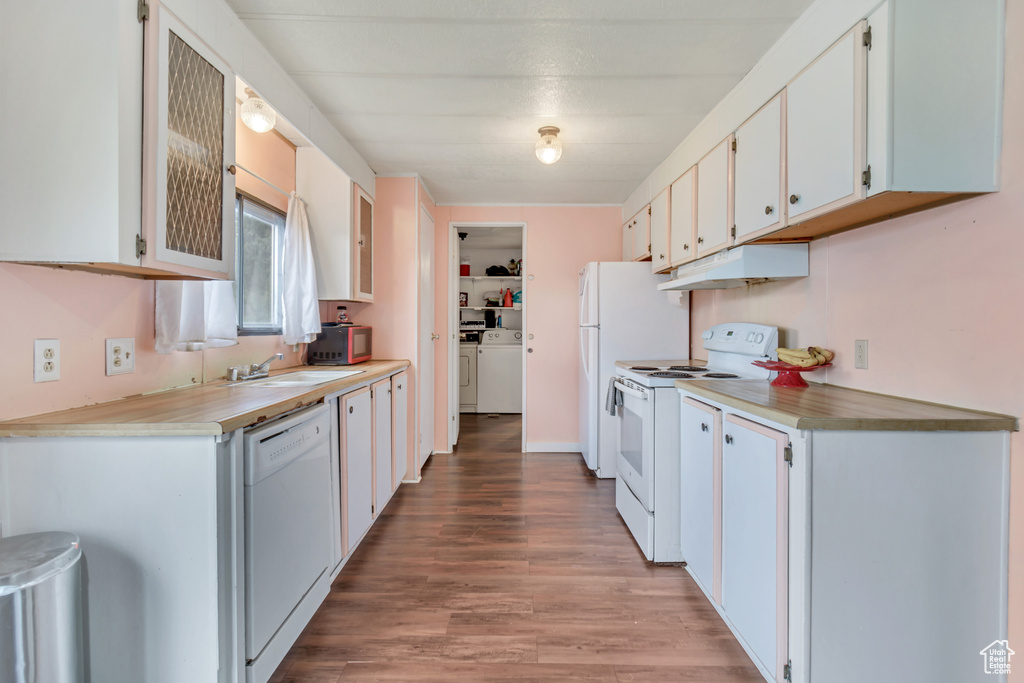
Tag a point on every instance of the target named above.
point(455, 90)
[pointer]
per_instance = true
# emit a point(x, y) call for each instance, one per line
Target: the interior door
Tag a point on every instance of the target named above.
point(755, 538)
point(427, 337)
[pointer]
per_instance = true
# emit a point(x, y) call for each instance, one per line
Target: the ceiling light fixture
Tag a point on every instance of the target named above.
point(257, 115)
point(549, 147)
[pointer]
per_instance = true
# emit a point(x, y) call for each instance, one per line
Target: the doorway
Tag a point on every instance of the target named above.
point(488, 329)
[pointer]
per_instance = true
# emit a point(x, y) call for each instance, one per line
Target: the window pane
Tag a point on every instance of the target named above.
point(260, 235)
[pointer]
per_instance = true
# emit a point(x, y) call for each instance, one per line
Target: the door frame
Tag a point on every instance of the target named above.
point(453, 320)
point(424, 412)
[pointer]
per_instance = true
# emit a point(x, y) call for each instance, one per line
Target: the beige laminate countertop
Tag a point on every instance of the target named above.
point(202, 409)
point(824, 406)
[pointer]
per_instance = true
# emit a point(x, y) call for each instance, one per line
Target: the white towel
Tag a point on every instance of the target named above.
point(300, 308)
point(193, 315)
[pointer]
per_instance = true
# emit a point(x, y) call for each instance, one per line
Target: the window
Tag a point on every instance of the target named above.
point(259, 234)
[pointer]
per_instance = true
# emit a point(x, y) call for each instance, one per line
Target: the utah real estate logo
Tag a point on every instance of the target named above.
point(997, 657)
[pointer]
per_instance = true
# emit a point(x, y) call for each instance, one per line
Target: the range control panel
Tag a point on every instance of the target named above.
point(747, 339)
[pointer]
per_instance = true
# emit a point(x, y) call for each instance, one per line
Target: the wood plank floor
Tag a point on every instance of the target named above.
point(507, 566)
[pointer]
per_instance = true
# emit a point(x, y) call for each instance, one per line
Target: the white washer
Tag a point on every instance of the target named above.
point(467, 377)
point(499, 372)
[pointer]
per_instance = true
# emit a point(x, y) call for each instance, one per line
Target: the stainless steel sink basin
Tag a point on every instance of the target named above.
point(302, 378)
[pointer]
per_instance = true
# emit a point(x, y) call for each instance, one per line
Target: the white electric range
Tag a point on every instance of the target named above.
point(647, 487)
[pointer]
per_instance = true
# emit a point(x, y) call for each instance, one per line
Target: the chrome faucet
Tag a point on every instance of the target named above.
point(254, 371)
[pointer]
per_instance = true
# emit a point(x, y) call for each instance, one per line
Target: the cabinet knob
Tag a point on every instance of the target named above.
point(703, 427)
point(728, 438)
point(794, 198)
point(661, 257)
point(686, 247)
point(700, 240)
point(399, 386)
point(768, 210)
point(529, 350)
point(351, 409)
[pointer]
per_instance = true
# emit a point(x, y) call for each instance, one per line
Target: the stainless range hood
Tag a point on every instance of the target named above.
point(740, 266)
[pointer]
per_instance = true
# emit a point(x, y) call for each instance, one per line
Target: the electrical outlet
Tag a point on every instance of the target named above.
point(46, 360)
point(120, 355)
point(860, 354)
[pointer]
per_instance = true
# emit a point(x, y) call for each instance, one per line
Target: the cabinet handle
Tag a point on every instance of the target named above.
point(700, 240)
point(399, 386)
point(703, 427)
point(794, 198)
point(728, 438)
point(686, 247)
point(529, 350)
point(768, 210)
point(661, 257)
point(350, 409)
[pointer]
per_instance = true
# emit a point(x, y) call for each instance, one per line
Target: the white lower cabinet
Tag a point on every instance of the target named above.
point(383, 457)
point(847, 555)
point(399, 428)
point(356, 465)
point(755, 487)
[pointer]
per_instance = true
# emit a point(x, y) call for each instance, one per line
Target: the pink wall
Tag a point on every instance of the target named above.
point(559, 241)
point(84, 309)
point(938, 296)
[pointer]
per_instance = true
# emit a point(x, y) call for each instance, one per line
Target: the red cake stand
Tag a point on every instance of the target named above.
point(789, 375)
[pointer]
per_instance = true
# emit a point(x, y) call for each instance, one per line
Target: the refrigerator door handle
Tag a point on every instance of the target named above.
point(585, 276)
point(583, 355)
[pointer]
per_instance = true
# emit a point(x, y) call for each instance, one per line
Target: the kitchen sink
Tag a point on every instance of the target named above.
point(299, 379)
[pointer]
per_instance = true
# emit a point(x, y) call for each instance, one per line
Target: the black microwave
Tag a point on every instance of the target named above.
point(339, 344)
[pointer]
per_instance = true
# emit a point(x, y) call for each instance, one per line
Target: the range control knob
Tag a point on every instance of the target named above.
point(706, 334)
point(759, 338)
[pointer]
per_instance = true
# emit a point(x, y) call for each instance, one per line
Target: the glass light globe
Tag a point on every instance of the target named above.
point(258, 115)
point(549, 147)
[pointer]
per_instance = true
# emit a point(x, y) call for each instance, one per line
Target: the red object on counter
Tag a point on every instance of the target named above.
point(789, 375)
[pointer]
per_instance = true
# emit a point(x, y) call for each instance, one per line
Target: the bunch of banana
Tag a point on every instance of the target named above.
point(805, 358)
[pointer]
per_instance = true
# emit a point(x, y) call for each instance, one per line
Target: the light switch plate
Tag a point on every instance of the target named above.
point(46, 360)
point(120, 355)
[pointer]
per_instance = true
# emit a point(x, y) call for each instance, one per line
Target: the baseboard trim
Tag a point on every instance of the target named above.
point(552, 447)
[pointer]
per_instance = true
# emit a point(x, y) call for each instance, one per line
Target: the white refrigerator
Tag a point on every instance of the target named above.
point(623, 316)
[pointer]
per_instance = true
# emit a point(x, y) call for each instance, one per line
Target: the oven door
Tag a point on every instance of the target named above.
point(635, 446)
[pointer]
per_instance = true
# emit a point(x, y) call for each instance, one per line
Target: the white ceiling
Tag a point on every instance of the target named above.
point(455, 90)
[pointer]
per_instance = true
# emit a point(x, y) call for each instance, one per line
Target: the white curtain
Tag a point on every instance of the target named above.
point(193, 315)
point(301, 310)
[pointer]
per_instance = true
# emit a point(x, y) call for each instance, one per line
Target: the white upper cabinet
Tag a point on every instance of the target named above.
point(683, 224)
point(714, 199)
point(362, 221)
point(71, 133)
point(627, 240)
point(660, 262)
point(825, 130)
point(189, 143)
point(758, 163)
point(636, 236)
point(328, 194)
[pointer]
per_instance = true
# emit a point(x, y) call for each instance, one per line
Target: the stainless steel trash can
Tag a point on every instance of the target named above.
point(41, 609)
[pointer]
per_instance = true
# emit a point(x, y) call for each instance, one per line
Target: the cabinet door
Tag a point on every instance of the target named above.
point(189, 142)
point(700, 476)
point(329, 196)
point(825, 113)
point(363, 248)
point(627, 240)
point(757, 165)
point(682, 226)
point(400, 428)
point(660, 262)
point(755, 538)
point(383, 457)
point(642, 235)
point(714, 199)
point(356, 464)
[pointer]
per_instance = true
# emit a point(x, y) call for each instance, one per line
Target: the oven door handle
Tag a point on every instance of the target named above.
point(642, 395)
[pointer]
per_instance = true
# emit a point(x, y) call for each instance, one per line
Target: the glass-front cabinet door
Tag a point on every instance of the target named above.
point(363, 248)
point(189, 124)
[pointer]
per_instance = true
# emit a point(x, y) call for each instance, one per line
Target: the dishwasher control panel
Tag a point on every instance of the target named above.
point(272, 445)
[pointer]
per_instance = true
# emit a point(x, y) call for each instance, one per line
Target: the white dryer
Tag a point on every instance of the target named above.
point(499, 372)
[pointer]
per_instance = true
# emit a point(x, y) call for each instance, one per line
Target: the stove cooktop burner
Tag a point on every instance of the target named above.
point(671, 375)
point(688, 368)
point(720, 375)
point(643, 368)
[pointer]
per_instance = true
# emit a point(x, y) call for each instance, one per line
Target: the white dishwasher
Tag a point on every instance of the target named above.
point(287, 532)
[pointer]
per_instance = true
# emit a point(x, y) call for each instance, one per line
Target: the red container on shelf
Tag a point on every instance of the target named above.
point(464, 269)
